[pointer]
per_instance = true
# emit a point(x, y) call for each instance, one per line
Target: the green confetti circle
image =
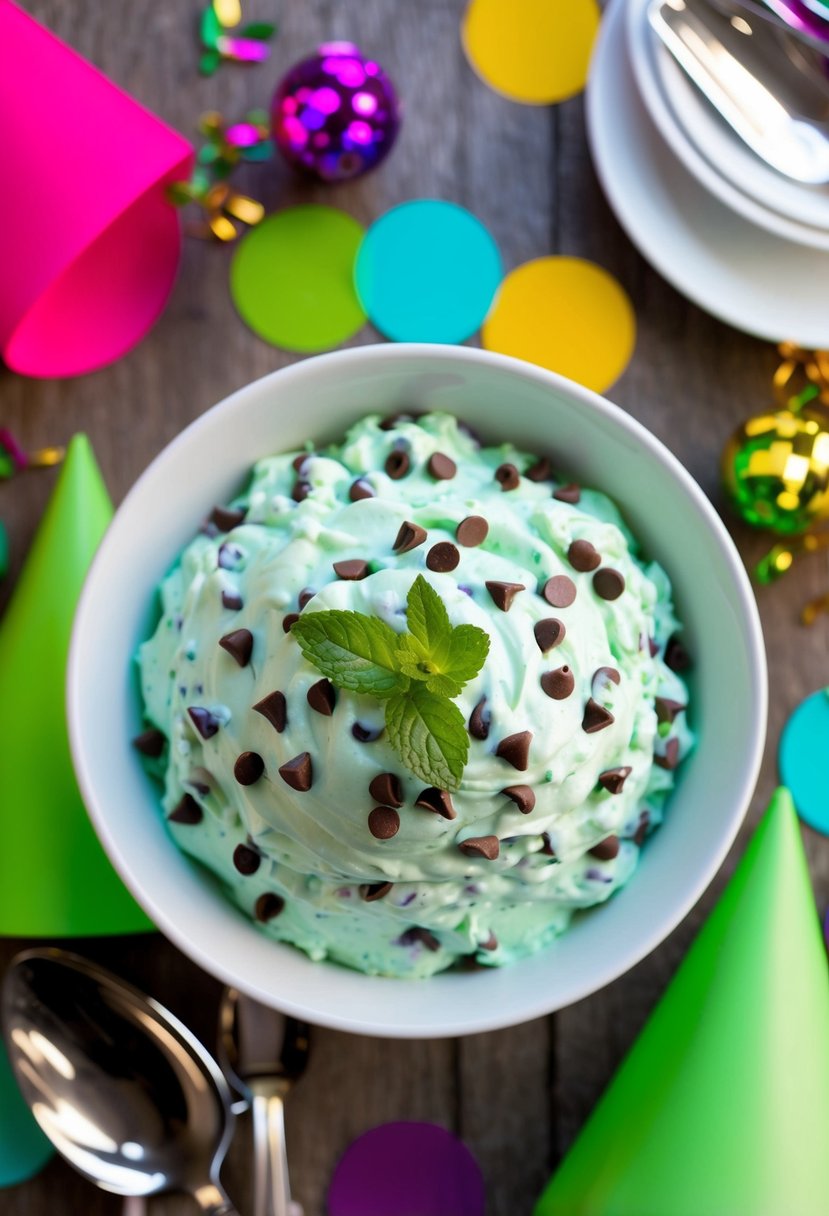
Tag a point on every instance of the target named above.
point(292, 278)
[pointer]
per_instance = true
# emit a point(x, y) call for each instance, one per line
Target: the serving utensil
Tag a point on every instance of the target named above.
point(759, 79)
point(120, 1086)
point(264, 1053)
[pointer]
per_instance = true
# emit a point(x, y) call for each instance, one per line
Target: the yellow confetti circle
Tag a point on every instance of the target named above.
point(534, 51)
point(567, 315)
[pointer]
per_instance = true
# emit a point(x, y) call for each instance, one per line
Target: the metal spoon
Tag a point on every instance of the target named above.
point(776, 104)
point(263, 1052)
point(123, 1090)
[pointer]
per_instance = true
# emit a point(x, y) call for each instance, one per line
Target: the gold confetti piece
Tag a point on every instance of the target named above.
point(45, 458)
point(248, 210)
point(229, 12)
point(222, 228)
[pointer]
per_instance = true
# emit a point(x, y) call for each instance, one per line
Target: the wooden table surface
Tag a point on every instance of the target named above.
point(519, 1096)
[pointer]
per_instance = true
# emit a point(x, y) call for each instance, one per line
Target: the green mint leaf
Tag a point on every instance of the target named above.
point(468, 649)
point(428, 621)
point(428, 733)
point(354, 651)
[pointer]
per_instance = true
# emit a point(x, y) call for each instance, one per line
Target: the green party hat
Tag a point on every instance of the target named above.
point(55, 879)
point(721, 1107)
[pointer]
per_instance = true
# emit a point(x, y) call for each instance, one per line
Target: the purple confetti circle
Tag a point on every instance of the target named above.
point(407, 1169)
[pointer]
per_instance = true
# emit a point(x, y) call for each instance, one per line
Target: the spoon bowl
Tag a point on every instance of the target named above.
point(120, 1086)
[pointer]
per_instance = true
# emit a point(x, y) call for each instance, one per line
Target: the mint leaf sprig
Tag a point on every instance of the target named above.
point(416, 674)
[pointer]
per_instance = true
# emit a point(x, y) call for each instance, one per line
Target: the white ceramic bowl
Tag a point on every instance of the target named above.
point(504, 398)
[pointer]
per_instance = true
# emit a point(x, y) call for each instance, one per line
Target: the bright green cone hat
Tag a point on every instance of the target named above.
point(55, 879)
point(721, 1107)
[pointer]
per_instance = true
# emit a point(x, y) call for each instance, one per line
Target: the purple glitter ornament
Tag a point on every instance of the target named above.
point(335, 114)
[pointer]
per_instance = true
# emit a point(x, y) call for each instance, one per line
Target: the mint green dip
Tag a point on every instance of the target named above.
point(304, 863)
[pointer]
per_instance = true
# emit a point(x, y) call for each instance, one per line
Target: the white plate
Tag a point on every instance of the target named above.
point(727, 169)
point(755, 281)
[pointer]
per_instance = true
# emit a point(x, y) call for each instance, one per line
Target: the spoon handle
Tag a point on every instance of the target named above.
point(213, 1201)
point(271, 1192)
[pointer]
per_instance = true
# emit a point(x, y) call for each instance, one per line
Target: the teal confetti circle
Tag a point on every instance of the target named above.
point(427, 271)
point(804, 746)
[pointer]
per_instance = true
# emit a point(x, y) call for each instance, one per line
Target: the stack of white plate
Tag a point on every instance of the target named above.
point(728, 231)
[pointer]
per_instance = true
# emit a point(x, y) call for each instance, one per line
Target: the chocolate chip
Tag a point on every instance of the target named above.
point(606, 849)
point(351, 571)
point(666, 709)
point(201, 780)
point(226, 518)
point(583, 556)
point(558, 684)
point(232, 600)
point(601, 677)
point(398, 464)
point(246, 860)
point(288, 621)
point(360, 489)
point(559, 591)
point(268, 906)
point(150, 742)
point(383, 823)
point(298, 773)
point(409, 537)
point(642, 830)
point(442, 557)
point(570, 493)
point(186, 811)
point(487, 847)
point(503, 593)
point(248, 768)
point(439, 801)
point(418, 936)
point(322, 697)
point(507, 476)
point(540, 470)
point(301, 490)
point(229, 557)
point(491, 943)
point(472, 531)
point(653, 647)
point(670, 758)
point(369, 891)
point(274, 707)
point(549, 633)
point(608, 583)
point(595, 717)
point(613, 779)
point(479, 720)
point(366, 734)
point(676, 656)
point(300, 460)
point(441, 467)
point(386, 788)
point(305, 596)
point(205, 722)
point(547, 845)
point(239, 645)
point(515, 749)
point(522, 795)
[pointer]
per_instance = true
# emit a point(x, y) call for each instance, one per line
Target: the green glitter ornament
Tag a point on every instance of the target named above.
point(776, 470)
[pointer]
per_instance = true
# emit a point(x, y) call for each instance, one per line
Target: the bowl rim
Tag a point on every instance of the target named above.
point(538, 1003)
